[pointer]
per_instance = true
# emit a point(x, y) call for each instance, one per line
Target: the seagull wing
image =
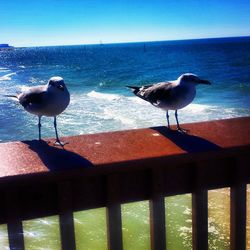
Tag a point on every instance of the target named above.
point(34, 96)
point(155, 93)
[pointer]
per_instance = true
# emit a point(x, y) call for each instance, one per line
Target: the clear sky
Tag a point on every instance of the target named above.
point(61, 22)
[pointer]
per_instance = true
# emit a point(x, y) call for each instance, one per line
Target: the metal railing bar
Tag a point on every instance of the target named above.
point(66, 219)
point(238, 217)
point(113, 214)
point(14, 224)
point(238, 205)
point(200, 220)
point(157, 212)
point(200, 207)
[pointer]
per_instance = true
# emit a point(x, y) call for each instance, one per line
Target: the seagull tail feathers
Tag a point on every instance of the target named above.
point(134, 89)
point(13, 96)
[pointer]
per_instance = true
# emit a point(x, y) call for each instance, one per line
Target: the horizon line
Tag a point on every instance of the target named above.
point(147, 41)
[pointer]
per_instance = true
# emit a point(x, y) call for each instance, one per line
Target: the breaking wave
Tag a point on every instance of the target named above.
point(108, 97)
point(7, 77)
point(94, 112)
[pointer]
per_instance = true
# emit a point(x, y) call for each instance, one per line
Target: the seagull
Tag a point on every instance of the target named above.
point(46, 100)
point(171, 95)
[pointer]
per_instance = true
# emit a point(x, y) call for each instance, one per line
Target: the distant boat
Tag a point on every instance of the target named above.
point(5, 46)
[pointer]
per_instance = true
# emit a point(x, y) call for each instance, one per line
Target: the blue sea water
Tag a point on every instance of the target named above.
point(96, 76)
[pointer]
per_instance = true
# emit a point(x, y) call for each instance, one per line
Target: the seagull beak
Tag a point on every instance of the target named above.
point(204, 82)
point(61, 87)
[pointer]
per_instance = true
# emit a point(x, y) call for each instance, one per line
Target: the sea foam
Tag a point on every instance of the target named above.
point(2, 70)
point(99, 95)
point(7, 77)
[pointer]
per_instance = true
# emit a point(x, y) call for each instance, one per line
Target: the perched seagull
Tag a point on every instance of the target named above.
point(171, 95)
point(46, 100)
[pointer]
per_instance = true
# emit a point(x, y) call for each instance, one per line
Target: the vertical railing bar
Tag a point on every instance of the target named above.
point(66, 216)
point(199, 209)
point(200, 219)
point(157, 212)
point(238, 217)
point(113, 213)
point(238, 207)
point(14, 223)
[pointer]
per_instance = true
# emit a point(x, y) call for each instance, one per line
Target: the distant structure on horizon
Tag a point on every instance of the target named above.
point(5, 46)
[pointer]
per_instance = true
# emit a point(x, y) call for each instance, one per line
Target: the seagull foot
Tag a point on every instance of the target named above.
point(182, 130)
point(60, 143)
point(43, 141)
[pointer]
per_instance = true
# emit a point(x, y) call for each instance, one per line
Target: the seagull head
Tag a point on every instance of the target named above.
point(192, 78)
point(56, 82)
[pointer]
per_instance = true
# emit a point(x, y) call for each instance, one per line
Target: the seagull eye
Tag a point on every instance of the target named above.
point(60, 87)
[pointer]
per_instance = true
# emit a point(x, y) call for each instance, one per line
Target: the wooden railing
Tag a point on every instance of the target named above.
point(108, 169)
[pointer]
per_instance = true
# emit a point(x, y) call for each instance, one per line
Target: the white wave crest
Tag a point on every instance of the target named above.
point(197, 108)
point(2, 70)
point(118, 116)
point(7, 77)
point(33, 80)
point(97, 111)
point(108, 97)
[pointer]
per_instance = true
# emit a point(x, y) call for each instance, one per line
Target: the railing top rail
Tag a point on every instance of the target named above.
point(118, 167)
point(115, 148)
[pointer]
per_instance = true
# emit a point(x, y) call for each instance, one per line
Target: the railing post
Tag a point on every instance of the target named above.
point(157, 212)
point(66, 216)
point(238, 204)
point(238, 217)
point(199, 210)
point(113, 214)
point(14, 223)
point(200, 220)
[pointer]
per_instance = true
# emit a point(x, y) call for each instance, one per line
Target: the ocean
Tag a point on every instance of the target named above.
point(96, 76)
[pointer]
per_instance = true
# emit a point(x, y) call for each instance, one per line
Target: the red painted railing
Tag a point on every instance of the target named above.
point(107, 169)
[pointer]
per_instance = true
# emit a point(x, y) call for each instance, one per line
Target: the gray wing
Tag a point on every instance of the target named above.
point(33, 96)
point(155, 93)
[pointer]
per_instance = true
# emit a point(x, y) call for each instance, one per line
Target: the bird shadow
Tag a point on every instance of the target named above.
point(57, 158)
point(189, 143)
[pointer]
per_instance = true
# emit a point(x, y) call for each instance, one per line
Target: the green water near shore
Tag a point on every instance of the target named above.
point(90, 226)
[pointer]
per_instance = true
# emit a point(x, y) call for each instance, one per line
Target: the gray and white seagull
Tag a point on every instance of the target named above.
point(171, 95)
point(46, 100)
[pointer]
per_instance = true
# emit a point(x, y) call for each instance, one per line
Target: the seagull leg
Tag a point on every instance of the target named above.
point(57, 142)
point(182, 130)
point(39, 127)
point(167, 116)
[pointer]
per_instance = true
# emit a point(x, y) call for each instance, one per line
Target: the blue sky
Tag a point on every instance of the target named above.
point(61, 22)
